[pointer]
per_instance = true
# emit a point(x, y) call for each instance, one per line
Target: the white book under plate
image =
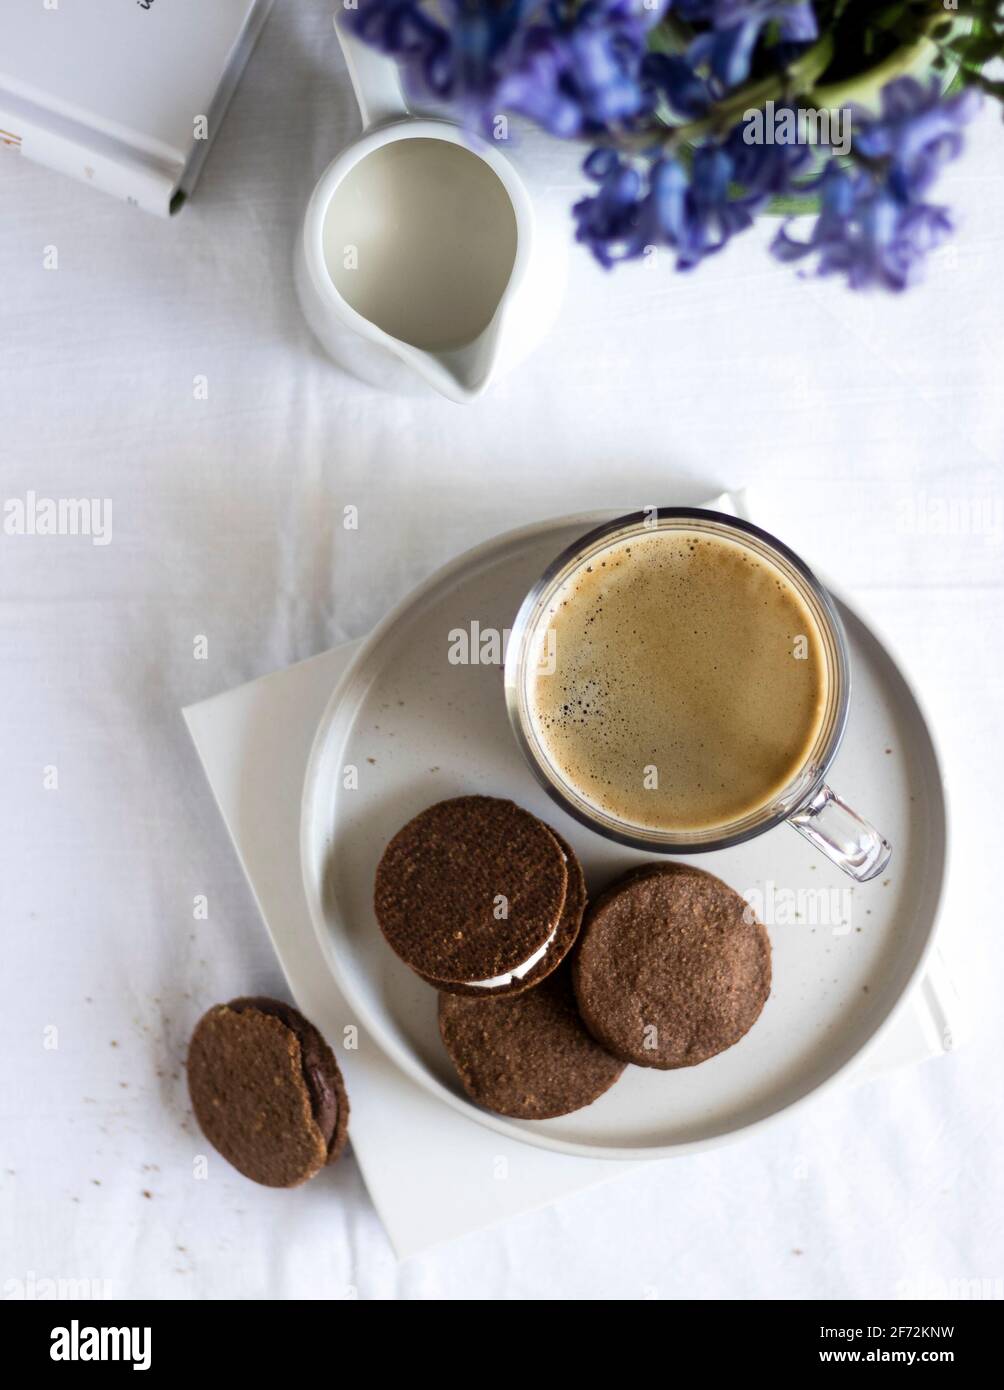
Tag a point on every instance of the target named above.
point(126, 95)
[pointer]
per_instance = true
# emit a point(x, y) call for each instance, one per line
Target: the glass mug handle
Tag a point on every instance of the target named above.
point(842, 835)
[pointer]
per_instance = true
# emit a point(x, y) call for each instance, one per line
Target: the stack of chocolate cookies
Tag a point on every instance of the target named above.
point(543, 1000)
point(485, 902)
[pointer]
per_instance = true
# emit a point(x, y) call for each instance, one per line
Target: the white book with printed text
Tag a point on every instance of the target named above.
point(126, 95)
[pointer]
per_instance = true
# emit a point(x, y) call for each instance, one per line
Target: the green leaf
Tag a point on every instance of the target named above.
point(793, 205)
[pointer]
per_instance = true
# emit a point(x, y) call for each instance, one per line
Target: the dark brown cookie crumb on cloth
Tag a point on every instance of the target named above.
point(564, 938)
point(672, 967)
point(527, 1056)
point(446, 877)
point(267, 1091)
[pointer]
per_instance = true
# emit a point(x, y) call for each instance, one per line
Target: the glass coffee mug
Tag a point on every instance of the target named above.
point(804, 801)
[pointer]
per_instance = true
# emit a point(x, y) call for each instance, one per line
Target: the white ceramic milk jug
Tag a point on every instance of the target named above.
point(421, 258)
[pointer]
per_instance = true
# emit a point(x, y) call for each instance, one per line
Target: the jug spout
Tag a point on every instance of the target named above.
point(461, 374)
point(469, 369)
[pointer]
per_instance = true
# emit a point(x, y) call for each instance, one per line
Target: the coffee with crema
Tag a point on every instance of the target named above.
point(689, 683)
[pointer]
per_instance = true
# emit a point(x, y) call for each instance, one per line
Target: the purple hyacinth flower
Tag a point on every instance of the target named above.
point(536, 88)
point(675, 82)
point(403, 29)
point(918, 131)
point(607, 221)
point(797, 21)
point(875, 226)
point(727, 52)
point(727, 49)
point(583, 74)
point(867, 234)
point(694, 211)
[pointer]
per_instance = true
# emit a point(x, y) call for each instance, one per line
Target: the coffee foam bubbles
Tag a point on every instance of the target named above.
point(678, 701)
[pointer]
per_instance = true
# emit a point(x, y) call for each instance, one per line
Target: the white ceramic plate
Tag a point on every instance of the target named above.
point(418, 729)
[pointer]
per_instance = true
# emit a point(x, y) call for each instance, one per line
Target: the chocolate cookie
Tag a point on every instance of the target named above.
point(470, 889)
point(526, 1056)
point(267, 1091)
point(564, 939)
point(672, 967)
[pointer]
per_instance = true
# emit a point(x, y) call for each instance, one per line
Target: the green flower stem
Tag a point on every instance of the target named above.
point(799, 80)
point(866, 86)
point(800, 77)
point(670, 34)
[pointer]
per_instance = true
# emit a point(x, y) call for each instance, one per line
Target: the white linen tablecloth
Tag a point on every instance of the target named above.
point(858, 419)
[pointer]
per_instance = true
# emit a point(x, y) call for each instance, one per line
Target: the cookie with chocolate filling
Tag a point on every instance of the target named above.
point(472, 891)
point(267, 1091)
point(561, 943)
